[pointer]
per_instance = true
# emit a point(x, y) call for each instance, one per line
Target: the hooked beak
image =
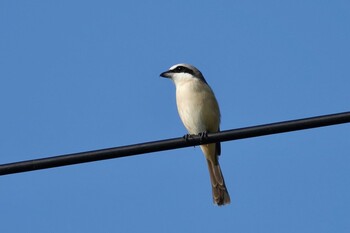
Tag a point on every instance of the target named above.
point(166, 74)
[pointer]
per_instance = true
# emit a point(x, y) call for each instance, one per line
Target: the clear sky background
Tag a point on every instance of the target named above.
point(84, 75)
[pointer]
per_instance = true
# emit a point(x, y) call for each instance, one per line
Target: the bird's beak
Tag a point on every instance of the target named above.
point(165, 74)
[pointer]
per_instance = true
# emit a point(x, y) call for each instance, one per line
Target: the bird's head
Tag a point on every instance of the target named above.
point(182, 72)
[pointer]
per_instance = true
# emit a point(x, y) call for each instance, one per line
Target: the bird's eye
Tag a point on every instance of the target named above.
point(179, 69)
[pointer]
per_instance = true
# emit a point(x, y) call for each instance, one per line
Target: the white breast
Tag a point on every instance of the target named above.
point(197, 106)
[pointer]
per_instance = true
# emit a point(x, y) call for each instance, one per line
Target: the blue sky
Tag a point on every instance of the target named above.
point(84, 75)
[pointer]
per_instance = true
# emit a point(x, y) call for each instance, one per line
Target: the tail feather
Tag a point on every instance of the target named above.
point(220, 193)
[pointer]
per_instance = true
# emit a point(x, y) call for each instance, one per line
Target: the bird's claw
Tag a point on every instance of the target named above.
point(187, 137)
point(203, 135)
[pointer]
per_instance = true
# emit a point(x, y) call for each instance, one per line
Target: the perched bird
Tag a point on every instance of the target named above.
point(200, 113)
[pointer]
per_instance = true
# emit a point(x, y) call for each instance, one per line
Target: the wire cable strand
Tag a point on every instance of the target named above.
point(175, 143)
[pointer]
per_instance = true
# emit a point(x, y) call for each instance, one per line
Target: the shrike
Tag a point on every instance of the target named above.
point(200, 113)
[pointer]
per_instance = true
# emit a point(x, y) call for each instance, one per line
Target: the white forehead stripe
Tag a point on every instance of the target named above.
point(174, 66)
point(188, 66)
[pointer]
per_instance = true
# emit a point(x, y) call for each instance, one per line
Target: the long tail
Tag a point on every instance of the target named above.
point(220, 194)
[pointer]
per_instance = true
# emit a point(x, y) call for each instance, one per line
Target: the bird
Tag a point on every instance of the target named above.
point(199, 112)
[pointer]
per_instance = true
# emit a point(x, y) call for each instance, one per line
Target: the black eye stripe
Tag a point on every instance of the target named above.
point(182, 69)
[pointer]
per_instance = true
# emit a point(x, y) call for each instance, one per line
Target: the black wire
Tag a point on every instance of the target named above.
point(148, 147)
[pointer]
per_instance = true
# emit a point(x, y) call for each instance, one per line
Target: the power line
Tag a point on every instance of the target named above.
point(175, 143)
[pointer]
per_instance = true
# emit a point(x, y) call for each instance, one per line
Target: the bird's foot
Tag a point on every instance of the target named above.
point(187, 137)
point(203, 135)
